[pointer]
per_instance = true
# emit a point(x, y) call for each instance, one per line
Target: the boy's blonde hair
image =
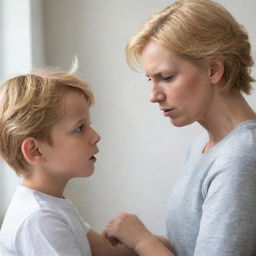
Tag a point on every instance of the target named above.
point(29, 106)
point(199, 31)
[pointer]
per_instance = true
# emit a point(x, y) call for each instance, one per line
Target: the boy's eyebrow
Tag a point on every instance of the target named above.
point(81, 120)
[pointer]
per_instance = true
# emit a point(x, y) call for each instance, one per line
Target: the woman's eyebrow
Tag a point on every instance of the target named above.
point(156, 74)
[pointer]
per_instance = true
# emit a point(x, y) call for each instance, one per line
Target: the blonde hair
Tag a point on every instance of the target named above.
point(200, 31)
point(29, 106)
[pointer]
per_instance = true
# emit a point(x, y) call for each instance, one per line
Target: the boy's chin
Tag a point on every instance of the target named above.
point(89, 172)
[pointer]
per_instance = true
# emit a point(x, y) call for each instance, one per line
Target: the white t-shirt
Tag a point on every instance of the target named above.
point(43, 225)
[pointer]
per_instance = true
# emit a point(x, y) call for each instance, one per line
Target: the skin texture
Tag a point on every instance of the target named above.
point(194, 93)
point(175, 84)
point(74, 142)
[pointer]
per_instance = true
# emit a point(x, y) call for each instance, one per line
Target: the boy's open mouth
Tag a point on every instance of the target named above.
point(92, 158)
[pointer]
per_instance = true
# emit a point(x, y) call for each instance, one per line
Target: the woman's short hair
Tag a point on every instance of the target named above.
point(29, 106)
point(199, 31)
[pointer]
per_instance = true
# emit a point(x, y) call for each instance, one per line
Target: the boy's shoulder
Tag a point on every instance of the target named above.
point(22, 205)
point(28, 205)
point(26, 201)
point(36, 221)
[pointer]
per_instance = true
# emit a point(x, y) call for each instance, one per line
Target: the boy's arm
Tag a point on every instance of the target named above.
point(165, 242)
point(100, 246)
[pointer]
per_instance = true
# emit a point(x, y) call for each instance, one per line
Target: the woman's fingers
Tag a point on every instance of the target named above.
point(125, 228)
point(113, 241)
point(107, 233)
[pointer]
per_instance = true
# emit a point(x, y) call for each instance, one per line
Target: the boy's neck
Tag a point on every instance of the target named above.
point(49, 187)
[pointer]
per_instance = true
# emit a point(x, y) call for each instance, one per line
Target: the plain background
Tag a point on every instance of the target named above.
point(140, 151)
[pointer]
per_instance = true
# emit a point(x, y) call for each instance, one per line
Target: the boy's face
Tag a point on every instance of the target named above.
point(71, 153)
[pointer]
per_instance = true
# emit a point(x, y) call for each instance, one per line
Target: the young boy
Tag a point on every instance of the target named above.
point(47, 138)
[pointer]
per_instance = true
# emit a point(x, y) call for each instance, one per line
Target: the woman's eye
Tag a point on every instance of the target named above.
point(167, 78)
point(149, 79)
point(79, 129)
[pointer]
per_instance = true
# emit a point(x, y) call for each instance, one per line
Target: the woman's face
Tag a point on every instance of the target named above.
point(182, 90)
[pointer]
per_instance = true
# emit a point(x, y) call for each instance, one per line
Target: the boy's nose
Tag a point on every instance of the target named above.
point(96, 138)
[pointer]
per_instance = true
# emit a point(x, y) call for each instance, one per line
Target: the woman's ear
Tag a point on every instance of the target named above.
point(31, 151)
point(216, 71)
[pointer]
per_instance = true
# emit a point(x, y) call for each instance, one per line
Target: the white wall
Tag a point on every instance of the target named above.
point(1, 52)
point(140, 152)
point(15, 57)
point(37, 33)
point(21, 34)
point(22, 48)
point(1, 36)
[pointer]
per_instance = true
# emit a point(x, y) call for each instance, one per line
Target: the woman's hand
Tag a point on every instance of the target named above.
point(127, 229)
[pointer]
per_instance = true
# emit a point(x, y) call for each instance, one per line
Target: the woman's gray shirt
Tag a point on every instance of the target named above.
point(212, 210)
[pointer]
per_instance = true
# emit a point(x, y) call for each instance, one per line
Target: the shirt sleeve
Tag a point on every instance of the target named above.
point(228, 222)
point(45, 233)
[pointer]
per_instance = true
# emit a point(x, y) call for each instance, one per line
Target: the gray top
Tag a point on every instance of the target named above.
point(212, 210)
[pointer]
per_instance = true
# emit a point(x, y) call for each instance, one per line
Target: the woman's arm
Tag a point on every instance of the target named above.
point(129, 230)
point(228, 225)
point(151, 247)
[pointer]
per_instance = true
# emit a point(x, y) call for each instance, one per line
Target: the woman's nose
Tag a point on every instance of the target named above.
point(156, 95)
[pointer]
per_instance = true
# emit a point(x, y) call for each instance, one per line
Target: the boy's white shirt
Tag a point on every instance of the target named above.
point(43, 225)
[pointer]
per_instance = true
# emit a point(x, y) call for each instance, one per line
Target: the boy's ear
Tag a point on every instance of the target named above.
point(31, 151)
point(216, 71)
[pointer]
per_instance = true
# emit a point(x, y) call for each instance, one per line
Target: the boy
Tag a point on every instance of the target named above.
point(46, 137)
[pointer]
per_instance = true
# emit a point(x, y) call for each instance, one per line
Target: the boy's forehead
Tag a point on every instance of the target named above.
point(76, 106)
point(71, 97)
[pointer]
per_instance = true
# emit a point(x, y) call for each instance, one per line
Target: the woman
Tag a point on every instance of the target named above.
point(198, 60)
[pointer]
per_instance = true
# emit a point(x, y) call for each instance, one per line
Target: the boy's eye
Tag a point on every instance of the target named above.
point(79, 129)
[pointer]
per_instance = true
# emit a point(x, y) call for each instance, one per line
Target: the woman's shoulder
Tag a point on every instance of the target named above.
point(241, 141)
point(236, 154)
point(232, 166)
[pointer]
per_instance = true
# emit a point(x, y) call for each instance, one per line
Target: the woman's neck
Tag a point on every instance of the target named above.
point(227, 112)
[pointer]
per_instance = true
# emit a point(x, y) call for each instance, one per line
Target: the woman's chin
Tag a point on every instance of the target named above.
point(180, 122)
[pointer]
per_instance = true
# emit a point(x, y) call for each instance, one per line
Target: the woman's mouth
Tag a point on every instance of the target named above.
point(167, 112)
